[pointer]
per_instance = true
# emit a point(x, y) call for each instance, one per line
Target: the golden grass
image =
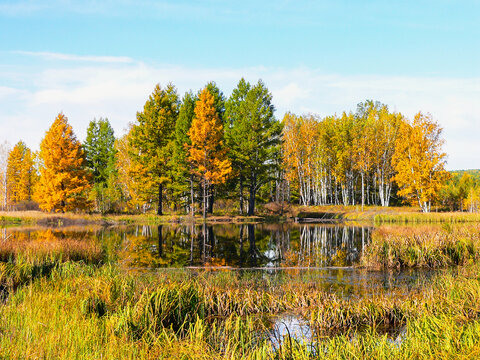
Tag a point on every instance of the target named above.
point(422, 246)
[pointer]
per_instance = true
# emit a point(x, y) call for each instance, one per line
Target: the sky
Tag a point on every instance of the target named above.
point(92, 59)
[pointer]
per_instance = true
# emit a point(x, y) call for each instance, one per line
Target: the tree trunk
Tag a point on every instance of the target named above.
point(192, 206)
point(204, 199)
point(160, 199)
point(363, 190)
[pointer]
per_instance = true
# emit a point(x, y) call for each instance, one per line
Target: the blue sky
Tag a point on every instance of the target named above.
point(102, 58)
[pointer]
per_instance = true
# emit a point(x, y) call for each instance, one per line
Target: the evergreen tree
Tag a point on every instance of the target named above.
point(253, 136)
point(153, 137)
point(64, 178)
point(99, 149)
point(100, 157)
point(181, 165)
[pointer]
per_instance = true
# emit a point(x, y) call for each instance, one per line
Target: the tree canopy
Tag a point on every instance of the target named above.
point(64, 178)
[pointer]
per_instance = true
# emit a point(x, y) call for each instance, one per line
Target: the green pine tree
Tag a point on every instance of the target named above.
point(153, 136)
point(253, 137)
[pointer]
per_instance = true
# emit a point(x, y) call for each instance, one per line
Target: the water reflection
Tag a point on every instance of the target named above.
point(232, 245)
point(248, 245)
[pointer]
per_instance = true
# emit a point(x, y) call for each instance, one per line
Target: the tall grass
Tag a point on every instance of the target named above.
point(422, 246)
point(426, 218)
point(81, 311)
point(58, 302)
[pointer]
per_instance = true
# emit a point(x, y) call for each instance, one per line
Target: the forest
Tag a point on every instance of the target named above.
point(205, 151)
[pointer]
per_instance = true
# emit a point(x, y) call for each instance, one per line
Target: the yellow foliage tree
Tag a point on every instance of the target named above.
point(21, 173)
point(64, 179)
point(207, 153)
point(133, 177)
point(419, 161)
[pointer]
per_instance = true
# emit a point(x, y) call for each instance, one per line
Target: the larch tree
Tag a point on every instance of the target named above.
point(153, 137)
point(64, 179)
point(253, 135)
point(207, 153)
point(419, 161)
point(21, 174)
point(219, 104)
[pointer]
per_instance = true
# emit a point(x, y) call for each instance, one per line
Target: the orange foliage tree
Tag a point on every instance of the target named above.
point(207, 154)
point(64, 179)
point(21, 173)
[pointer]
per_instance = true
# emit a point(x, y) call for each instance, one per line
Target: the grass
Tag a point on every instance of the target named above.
point(376, 214)
point(422, 246)
point(76, 310)
point(63, 299)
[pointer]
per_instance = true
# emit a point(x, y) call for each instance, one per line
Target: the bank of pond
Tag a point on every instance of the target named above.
point(240, 291)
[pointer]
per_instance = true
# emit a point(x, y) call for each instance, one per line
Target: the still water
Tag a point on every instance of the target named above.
point(324, 255)
point(265, 246)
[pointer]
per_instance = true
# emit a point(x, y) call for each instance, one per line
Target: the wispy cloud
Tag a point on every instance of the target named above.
point(79, 58)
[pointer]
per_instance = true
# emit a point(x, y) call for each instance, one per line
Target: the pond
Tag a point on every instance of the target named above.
point(319, 255)
point(325, 254)
point(229, 245)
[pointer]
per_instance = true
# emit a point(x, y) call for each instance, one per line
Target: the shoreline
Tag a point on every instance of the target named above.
point(302, 215)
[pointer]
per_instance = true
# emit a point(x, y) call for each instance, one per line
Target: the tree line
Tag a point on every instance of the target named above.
point(186, 154)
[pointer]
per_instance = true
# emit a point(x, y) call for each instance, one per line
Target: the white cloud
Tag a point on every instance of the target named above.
point(69, 57)
point(118, 89)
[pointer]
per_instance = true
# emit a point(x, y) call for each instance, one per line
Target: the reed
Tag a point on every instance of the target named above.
point(422, 246)
point(77, 310)
point(426, 218)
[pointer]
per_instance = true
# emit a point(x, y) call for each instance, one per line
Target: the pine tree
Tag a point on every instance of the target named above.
point(99, 149)
point(21, 173)
point(100, 156)
point(64, 179)
point(153, 138)
point(253, 135)
point(207, 152)
point(180, 164)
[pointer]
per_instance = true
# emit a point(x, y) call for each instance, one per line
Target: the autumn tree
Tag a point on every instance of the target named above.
point(131, 175)
point(219, 104)
point(153, 136)
point(207, 152)
point(253, 137)
point(21, 174)
point(100, 157)
point(4, 151)
point(64, 178)
point(419, 161)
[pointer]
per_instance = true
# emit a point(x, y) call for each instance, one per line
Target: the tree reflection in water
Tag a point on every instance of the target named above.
point(244, 245)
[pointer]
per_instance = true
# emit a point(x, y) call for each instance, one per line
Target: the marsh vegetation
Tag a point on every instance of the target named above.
point(93, 292)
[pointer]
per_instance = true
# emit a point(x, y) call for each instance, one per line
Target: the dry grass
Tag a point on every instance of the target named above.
point(422, 246)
